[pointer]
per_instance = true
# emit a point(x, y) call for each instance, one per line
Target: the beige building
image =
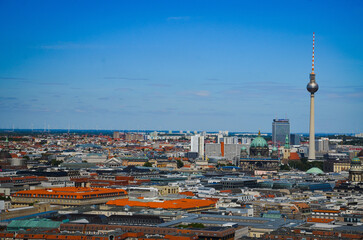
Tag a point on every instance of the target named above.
point(166, 190)
point(290, 210)
point(341, 166)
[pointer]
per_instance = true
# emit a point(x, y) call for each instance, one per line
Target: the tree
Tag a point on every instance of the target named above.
point(147, 164)
point(54, 162)
point(284, 167)
point(179, 163)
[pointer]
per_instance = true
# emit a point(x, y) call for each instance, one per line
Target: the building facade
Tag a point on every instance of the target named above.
point(68, 196)
point(280, 128)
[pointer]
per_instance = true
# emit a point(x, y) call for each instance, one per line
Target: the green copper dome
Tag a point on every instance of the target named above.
point(243, 148)
point(314, 170)
point(274, 149)
point(356, 160)
point(259, 141)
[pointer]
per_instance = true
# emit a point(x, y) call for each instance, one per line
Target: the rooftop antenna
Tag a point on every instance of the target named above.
point(312, 66)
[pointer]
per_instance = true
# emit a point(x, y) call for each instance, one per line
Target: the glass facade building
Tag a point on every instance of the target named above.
point(280, 128)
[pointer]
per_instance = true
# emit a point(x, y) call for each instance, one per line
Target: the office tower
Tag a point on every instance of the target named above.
point(280, 128)
point(295, 139)
point(312, 87)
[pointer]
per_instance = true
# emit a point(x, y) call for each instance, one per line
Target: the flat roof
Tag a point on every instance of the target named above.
point(168, 204)
point(70, 192)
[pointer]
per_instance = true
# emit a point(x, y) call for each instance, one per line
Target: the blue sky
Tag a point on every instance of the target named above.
point(180, 65)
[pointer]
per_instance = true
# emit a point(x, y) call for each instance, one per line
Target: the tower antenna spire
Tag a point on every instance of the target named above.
point(312, 67)
point(312, 87)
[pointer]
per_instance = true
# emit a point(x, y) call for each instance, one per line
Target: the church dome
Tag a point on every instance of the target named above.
point(243, 148)
point(274, 149)
point(315, 170)
point(356, 160)
point(259, 142)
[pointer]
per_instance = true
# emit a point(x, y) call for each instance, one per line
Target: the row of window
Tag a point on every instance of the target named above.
point(66, 196)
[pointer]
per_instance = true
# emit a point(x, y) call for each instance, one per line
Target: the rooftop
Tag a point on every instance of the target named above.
point(168, 204)
point(70, 192)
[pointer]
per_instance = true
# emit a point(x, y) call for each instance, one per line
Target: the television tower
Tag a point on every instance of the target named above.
point(312, 87)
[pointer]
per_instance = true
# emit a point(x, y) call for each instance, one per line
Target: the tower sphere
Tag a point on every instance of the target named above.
point(312, 87)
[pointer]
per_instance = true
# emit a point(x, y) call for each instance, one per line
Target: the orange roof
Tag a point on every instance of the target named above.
point(326, 211)
point(71, 192)
point(319, 220)
point(226, 191)
point(188, 193)
point(301, 205)
point(169, 204)
point(294, 156)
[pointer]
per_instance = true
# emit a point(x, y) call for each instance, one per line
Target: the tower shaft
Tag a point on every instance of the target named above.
point(312, 87)
point(312, 129)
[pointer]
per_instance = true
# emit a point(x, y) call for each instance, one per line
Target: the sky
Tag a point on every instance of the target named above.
point(180, 65)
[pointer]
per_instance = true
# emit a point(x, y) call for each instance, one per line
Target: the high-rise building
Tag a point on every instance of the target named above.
point(197, 145)
point(322, 145)
point(295, 139)
point(201, 147)
point(194, 143)
point(312, 87)
point(280, 128)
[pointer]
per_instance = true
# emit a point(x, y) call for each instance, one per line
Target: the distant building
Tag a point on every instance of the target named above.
point(286, 151)
point(194, 143)
point(230, 140)
point(228, 151)
point(197, 145)
point(188, 205)
point(259, 147)
point(134, 137)
point(336, 166)
point(116, 134)
point(232, 151)
point(295, 139)
point(68, 196)
point(213, 150)
point(280, 128)
point(246, 141)
point(322, 145)
point(356, 169)
point(259, 156)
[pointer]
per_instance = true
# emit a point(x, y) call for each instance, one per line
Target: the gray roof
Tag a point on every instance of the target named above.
point(240, 220)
